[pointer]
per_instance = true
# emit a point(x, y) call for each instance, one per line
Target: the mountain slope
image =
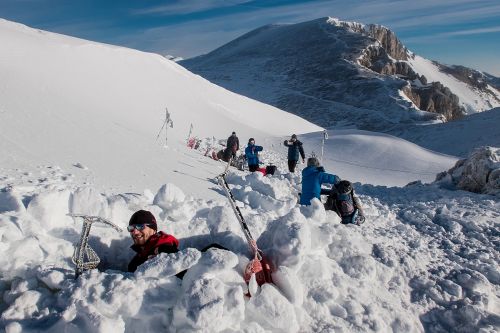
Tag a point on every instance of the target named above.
point(340, 73)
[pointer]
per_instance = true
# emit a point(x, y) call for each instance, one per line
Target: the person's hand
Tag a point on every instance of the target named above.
point(303, 161)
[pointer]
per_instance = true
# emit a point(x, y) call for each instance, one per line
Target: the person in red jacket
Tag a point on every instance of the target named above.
point(148, 242)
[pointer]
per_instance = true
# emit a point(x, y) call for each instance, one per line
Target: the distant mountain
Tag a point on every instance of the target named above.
point(345, 74)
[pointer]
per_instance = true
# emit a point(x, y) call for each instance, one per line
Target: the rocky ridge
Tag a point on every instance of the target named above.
point(332, 72)
point(389, 57)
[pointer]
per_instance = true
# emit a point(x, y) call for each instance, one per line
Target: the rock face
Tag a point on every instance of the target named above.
point(435, 98)
point(389, 58)
point(330, 72)
point(479, 173)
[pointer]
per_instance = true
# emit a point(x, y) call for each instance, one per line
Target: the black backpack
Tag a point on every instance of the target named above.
point(270, 169)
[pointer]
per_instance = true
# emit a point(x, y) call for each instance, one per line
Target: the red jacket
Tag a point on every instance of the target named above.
point(158, 243)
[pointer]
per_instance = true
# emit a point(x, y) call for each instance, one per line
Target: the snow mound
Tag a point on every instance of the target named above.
point(479, 173)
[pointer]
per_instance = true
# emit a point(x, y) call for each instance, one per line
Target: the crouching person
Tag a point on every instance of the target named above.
point(148, 242)
point(312, 177)
point(345, 203)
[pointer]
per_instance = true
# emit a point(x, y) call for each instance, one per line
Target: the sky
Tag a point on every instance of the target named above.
point(458, 32)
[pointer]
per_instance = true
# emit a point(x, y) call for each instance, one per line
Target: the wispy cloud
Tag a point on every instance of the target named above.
point(188, 6)
point(469, 32)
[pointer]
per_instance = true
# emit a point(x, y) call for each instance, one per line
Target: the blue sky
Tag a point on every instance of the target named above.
point(461, 32)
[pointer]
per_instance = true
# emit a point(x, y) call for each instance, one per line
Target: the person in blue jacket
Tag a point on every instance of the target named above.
point(312, 177)
point(252, 155)
point(295, 150)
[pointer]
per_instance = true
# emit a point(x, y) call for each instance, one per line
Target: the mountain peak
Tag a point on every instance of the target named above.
point(334, 72)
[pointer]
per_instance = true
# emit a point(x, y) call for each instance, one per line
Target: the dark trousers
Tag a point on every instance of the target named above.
point(253, 167)
point(291, 165)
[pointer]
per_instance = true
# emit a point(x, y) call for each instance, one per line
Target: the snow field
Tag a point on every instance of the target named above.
point(426, 259)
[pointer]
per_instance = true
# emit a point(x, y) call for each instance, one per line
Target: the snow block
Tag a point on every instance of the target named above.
point(10, 201)
point(272, 310)
point(50, 208)
point(210, 290)
point(172, 201)
point(88, 201)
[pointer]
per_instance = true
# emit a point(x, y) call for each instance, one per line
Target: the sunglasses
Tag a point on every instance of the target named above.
point(139, 227)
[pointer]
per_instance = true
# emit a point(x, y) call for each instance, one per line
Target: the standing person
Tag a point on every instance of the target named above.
point(148, 242)
point(294, 150)
point(252, 155)
point(232, 146)
point(312, 177)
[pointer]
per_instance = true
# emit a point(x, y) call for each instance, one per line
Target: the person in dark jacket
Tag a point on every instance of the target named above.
point(148, 242)
point(294, 150)
point(312, 177)
point(232, 146)
point(252, 155)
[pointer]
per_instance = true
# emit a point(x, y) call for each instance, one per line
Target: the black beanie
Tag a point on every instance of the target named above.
point(143, 217)
point(251, 139)
point(294, 136)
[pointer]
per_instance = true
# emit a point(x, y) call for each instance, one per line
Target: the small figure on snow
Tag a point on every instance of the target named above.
point(232, 146)
point(294, 150)
point(312, 177)
point(148, 242)
point(252, 155)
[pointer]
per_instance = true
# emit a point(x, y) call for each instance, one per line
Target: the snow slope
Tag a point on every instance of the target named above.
point(459, 137)
point(373, 158)
point(473, 100)
point(78, 141)
point(65, 101)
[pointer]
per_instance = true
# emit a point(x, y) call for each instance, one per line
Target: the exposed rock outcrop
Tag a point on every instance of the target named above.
point(435, 98)
point(432, 98)
point(387, 39)
point(479, 173)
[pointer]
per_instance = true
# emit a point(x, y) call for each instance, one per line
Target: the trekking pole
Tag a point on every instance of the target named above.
point(190, 131)
point(325, 137)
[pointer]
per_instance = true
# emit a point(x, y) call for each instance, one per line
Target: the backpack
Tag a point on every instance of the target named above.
point(341, 200)
point(270, 169)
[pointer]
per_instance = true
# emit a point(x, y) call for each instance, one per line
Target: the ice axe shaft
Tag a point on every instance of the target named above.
point(258, 265)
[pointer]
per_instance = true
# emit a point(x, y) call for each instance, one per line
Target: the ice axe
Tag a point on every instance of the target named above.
point(258, 265)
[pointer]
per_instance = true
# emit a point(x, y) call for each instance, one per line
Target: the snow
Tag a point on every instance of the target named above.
point(470, 98)
point(427, 258)
point(459, 137)
point(62, 98)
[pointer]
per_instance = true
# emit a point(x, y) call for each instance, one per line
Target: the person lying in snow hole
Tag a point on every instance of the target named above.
point(149, 242)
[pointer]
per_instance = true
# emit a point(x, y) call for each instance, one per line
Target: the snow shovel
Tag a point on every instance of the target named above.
point(258, 265)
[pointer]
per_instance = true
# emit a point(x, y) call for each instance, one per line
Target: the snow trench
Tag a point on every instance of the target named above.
point(425, 260)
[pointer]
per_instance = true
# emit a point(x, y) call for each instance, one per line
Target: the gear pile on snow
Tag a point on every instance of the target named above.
point(479, 173)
